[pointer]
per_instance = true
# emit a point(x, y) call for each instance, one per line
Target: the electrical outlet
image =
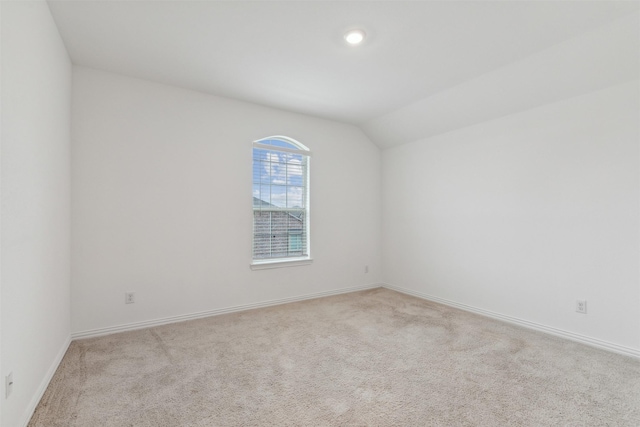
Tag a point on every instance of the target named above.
point(8, 384)
point(366, 268)
point(581, 306)
point(129, 297)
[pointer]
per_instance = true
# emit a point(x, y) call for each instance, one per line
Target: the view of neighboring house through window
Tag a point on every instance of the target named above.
point(280, 200)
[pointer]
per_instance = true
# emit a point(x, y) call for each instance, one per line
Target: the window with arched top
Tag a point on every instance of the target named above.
point(280, 201)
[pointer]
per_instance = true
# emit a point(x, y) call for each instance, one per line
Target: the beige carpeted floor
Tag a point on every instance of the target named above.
point(373, 358)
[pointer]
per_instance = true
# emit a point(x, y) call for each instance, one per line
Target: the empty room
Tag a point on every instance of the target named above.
point(319, 213)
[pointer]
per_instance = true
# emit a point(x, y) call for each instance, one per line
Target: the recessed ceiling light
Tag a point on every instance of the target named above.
point(354, 37)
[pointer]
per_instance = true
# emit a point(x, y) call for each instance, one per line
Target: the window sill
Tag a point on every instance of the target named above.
point(280, 263)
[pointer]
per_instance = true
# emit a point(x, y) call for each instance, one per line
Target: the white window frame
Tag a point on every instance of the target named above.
point(269, 263)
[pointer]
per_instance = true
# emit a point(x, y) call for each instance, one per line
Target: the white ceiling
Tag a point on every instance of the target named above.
point(291, 55)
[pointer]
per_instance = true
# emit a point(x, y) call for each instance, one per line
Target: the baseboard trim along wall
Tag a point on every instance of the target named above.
point(216, 312)
point(593, 342)
point(45, 383)
point(627, 351)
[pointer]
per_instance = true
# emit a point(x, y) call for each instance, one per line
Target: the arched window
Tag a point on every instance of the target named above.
point(280, 200)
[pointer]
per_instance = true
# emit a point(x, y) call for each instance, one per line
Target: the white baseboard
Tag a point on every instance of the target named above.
point(45, 383)
point(593, 342)
point(181, 318)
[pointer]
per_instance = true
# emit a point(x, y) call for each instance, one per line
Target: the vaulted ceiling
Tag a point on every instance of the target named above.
point(426, 67)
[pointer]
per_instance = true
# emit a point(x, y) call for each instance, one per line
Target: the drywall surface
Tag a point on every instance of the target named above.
point(36, 94)
point(525, 214)
point(162, 203)
point(597, 59)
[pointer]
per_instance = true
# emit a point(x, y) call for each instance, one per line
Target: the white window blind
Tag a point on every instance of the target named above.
point(280, 200)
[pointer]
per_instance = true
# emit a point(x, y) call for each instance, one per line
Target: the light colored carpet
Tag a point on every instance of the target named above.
point(373, 358)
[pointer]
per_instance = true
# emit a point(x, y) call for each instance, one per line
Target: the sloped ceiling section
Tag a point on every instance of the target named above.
point(604, 57)
point(426, 67)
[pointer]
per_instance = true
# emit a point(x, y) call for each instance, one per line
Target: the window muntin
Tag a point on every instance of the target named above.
point(280, 200)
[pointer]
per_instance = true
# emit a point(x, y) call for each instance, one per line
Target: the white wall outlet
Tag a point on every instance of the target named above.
point(8, 385)
point(366, 268)
point(581, 306)
point(129, 297)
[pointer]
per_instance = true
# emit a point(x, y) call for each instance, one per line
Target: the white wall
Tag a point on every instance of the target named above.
point(35, 206)
point(161, 202)
point(603, 57)
point(525, 214)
